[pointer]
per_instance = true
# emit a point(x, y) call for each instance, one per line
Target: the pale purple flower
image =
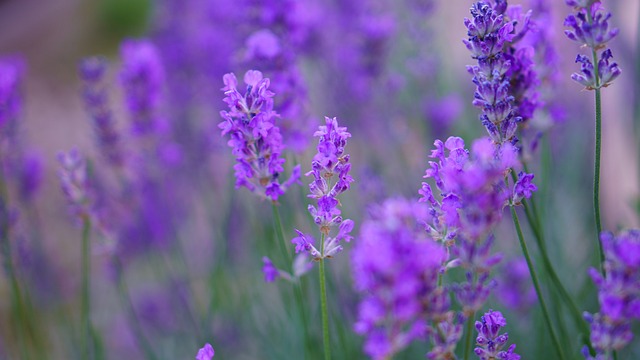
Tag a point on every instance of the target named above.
point(490, 342)
point(270, 272)
point(74, 182)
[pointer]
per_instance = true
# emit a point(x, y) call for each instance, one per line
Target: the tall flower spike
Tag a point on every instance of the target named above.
point(11, 73)
point(142, 76)
point(74, 182)
point(92, 72)
point(254, 136)
point(490, 342)
point(330, 170)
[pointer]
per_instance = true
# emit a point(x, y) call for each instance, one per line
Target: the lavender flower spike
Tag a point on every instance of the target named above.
point(490, 342)
point(254, 136)
point(330, 170)
point(73, 179)
point(206, 352)
point(92, 71)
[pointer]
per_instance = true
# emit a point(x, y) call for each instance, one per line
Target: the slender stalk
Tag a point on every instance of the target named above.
point(536, 284)
point(323, 305)
point(286, 256)
point(85, 306)
point(467, 336)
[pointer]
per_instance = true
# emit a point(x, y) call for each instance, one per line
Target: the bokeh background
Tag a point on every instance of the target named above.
point(392, 71)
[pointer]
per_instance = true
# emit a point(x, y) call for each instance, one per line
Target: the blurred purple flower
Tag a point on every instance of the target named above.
point(515, 290)
point(205, 353)
point(74, 183)
point(269, 270)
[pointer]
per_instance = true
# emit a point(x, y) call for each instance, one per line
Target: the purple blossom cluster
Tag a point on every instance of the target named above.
point(472, 193)
point(206, 352)
point(506, 79)
point(396, 265)
point(589, 26)
point(490, 342)
point(11, 73)
point(330, 170)
point(255, 136)
point(618, 293)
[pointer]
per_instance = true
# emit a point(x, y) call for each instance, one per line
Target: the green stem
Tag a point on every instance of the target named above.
point(536, 284)
point(85, 307)
point(467, 336)
point(286, 256)
point(323, 305)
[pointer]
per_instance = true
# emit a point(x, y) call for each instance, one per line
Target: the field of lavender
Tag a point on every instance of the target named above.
point(320, 179)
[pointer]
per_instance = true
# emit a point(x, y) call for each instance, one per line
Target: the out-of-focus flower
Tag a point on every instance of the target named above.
point(618, 292)
point(269, 270)
point(396, 266)
point(205, 353)
point(254, 136)
point(74, 182)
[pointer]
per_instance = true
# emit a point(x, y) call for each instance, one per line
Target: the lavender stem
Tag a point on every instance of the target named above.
point(323, 305)
point(536, 284)
point(86, 291)
point(467, 335)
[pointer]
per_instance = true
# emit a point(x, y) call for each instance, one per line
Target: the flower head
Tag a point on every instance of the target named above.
point(74, 182)
point(490, 342)
point(205, 353)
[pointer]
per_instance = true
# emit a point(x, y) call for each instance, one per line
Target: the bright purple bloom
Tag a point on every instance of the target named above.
point(254, 136)
point(74, 183)
point(11, 74)
point(142, 78)
point(92, 71)
point(395, 266)
point(618, 292)
point(205, 353)
point(524, 187)
point(490, 342)
point(330, 169)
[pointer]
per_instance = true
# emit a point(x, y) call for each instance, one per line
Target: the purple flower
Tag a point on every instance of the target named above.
point(206, 352)
point(590, 27)
point(514, 289)
point(593, 30)
point(269, 270)
point(330, 169)
point(142, 76)
point(524, 188)
point(74, 183)
point(618, 292)
point(254, 136)
point(395, 266)
point(30, 176)
point(490, 342)
point(11, 74)
point(92, 71)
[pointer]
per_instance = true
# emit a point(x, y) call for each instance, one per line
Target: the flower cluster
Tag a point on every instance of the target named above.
point(490, 342)
point(589, 26)
point(142, 76)
point(74, 182)
point(618, 292)
point(254, 136)
point(330, 170)
point(472, 195)
point(92, 71)
point(396, 266)
point(11, 72)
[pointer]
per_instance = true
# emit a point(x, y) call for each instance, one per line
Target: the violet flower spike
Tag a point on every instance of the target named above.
point(74, 183)
point(254, 136)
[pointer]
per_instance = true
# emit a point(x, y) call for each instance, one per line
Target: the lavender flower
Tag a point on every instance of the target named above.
point(330, 169)
point(74, 183)
point(301, 265)
point(590, 27)
point(142, 76)
point(395, 266)
point(11, 73)
point(205, 353)
point(92, 71)
point(490, 342)
point(618, 292)
point(269, 270)
point(255, 138)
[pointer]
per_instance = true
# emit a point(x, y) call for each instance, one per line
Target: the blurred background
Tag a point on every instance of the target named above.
point(393, 72)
